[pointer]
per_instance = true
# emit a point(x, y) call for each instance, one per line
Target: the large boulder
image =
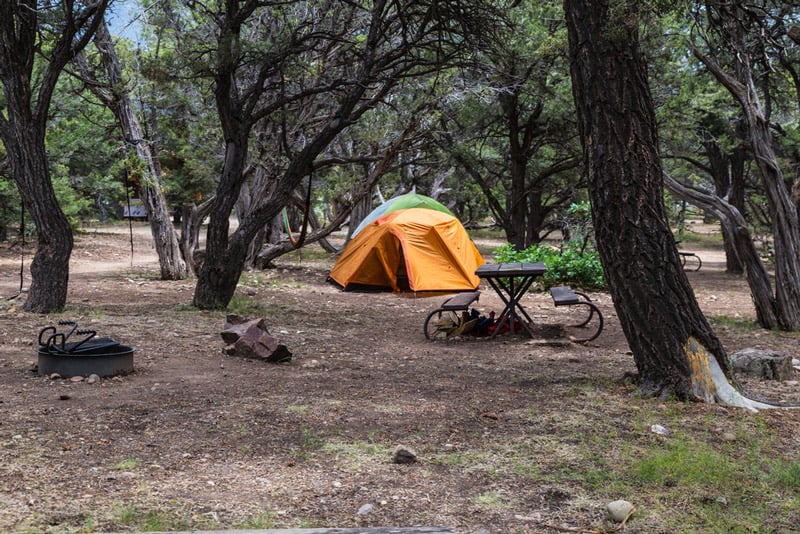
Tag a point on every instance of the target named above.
point(767, 364)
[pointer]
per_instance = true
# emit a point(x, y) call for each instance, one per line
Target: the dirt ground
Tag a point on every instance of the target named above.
point(194, 438)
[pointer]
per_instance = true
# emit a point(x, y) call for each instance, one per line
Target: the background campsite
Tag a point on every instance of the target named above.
point(512, 435)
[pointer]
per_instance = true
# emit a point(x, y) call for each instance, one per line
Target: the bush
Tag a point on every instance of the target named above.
point(573, 265)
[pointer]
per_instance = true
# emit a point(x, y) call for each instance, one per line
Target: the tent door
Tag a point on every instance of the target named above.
point(402, 275)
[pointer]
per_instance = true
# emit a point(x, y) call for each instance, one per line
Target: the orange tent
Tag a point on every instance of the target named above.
point(418, 249)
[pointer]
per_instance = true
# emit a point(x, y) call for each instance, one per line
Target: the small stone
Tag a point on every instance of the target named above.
point(93, 379)
point(76, 379)
point(660, 430)
point(619, 510)
point(54, 376)
point(404, 455)
point(365, 509)
point(728, 436)
point(722, 501)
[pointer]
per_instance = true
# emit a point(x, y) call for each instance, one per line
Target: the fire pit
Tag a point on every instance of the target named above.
point(77, 352)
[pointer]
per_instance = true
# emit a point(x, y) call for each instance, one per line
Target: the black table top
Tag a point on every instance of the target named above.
point(497, 270)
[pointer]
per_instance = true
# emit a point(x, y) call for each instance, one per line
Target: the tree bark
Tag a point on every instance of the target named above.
point(50, 265)
point(785, 223)
point(23, 124)
point(673, 345)
point(736, 232)
point(727, 172)
point(171, 263)
point(191, 220)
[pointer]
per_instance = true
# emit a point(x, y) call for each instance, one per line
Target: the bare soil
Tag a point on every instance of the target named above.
point(194, 438)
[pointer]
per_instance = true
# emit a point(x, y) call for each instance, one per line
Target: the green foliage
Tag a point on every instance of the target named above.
point(577, 263)
point(71, 202)
point(573, 265)
point(9, 205)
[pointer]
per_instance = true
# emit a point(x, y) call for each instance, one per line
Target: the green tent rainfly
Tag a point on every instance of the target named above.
point(402, 202)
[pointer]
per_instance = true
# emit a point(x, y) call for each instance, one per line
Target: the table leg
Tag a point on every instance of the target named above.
point(513, 309)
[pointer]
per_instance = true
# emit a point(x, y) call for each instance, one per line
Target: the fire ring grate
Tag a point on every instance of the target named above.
point(79, 352)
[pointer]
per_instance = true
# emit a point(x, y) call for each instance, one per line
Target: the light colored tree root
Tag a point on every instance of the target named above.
point(710, 383)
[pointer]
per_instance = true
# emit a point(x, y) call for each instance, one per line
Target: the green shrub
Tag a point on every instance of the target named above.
point(573, 265)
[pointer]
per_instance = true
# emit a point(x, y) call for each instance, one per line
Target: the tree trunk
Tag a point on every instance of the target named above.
point(254, 190)
point(50, 265)
point(727, 172)
point(785, 224)
point(23, 122)
point(736, 232)
point(675, 350)
point(191, 220)
point(225, 255)
point(165, 238)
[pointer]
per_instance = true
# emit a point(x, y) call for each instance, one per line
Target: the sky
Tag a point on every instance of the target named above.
point(122, 19)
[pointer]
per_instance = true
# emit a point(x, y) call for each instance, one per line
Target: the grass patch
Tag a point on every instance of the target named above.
point(127, 464)
point(246, 306)
point(357, 454)
point(738, 323)
point(687, 464)
point(261, 521)
point(491, 500)
point(134, 517)
point(785, 474)
point(689, 239)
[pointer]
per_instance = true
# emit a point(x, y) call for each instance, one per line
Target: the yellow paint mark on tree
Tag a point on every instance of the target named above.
point(703, 384)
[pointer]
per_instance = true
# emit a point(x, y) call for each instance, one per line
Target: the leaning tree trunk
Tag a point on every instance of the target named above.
point(28, 87)
point(785, 223)
point(50, 265)
point(225, 254)
point(736, 232)
point(675, 350)
point(173, 267)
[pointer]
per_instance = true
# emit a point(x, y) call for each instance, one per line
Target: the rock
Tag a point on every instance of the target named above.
point(660, 430)
point(728, 436)
point(619, 510)
point(404, 455)
point(93, 379)
point(767, 364)
point(365, 509)
point(76, 379)
point(249, 338)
